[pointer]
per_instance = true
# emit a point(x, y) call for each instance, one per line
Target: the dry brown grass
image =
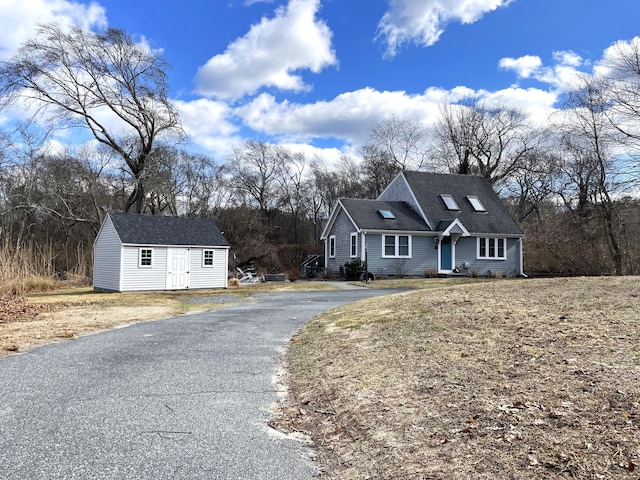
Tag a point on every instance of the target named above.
point(31, 268)
point(503, 379)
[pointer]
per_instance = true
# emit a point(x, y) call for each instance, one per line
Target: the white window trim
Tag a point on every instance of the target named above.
point(352, 243)
point(213, 257)
point(140, 250)
point(486, 241)
point(332, 246)
point(397, 246)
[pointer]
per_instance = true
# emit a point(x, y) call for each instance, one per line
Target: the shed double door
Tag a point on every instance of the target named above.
point(177, 268)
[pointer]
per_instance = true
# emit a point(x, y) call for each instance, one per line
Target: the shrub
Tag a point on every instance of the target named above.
point(431, 273)
point(355, 269)
point(293, 274)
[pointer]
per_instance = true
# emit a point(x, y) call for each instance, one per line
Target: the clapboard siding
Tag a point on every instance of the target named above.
point(107, 258)
point(467, 251)
point(206, 277)
point(423, 257)
point(135, 277)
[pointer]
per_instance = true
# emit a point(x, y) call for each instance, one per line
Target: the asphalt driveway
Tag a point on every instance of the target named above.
point(181, 398)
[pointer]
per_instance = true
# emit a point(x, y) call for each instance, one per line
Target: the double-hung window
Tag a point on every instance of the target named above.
point(208, 257)
point(354, 245)
point(492, 248)
point(332, 246)
point(145, 257)
point(396, 246)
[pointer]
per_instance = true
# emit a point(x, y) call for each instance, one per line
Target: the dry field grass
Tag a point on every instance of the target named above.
point(43, 318)
point(506, 379)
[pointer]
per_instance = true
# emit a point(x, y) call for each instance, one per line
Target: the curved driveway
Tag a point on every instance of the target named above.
point(182, 398)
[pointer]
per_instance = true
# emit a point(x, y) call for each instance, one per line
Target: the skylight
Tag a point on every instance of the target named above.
point(476, 203)
point(386, 214)
point(449, 202)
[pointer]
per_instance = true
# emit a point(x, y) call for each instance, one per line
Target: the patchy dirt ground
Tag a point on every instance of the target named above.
point(505, 379)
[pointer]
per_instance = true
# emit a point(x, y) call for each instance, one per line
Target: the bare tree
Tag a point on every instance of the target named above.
point(471, 138)
point(77, 78)
point(620, 85)
point(255, 170)
point(378, 169)
point(401, 141)
point(592, 139)
point(291, 187)
point(531, 185)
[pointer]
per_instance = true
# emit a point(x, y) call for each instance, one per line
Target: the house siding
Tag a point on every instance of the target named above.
point(107, 259)
point(208, 277)
point(467, 251)
point(423, 257)
point(342, 229)
point(144, 278)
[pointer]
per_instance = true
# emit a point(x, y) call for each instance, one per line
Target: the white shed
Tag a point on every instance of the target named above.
point(154, 252)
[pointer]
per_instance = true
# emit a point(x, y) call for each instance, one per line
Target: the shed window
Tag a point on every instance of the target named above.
point(332, 246)
point(208, 258)
point(476, 203)
point(492, 248)
point(450, 202)
point(145, 257)
point(396, 246)
point(354, 244)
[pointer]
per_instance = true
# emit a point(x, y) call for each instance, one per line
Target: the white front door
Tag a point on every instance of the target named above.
point(177, 268)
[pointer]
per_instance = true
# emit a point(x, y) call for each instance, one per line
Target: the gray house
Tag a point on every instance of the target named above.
point(153, 252)
point(426, 223)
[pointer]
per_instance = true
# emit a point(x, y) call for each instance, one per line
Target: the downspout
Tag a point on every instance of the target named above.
point(364, 257)
point(521, 262)
point(326, 255)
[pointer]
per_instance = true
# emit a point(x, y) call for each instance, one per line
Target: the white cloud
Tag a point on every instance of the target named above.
point(19, 19)
point(537, 104)
point(344, 121)
point(561, 75)
point(327, 156)
point(523, 66)
point(611, 56)
point(270, 53)
point(423, 21)
point(207, 123)
point(348, 117)
point(568, 58)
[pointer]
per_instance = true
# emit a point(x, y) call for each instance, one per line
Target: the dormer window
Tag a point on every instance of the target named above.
point(476, 203)
point(386, 214)
point(449, 202)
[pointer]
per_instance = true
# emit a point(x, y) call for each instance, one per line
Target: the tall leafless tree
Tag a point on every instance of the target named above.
point(255, 170)
point(103, 82)
point(471, 138)
point(592, 139)
point(402, 141)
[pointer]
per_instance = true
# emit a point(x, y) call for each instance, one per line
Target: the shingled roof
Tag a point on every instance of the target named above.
point(139, 229)
point(428, 188)
point(367, 217)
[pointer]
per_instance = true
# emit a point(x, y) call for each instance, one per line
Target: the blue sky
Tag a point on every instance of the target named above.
point(315, 75)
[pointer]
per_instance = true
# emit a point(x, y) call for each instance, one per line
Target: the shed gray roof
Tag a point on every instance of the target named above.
point(427, 188)
point(365, 214)
point(162, 230)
